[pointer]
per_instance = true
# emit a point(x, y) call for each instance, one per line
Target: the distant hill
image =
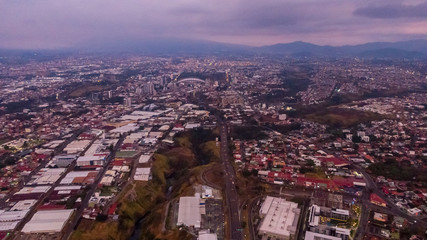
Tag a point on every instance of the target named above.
point(406, 49)
point(414, 49)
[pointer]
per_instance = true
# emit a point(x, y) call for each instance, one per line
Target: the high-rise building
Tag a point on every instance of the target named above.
point(96, 98)
point(128, 102)
point(149, 89)
point(138, 91)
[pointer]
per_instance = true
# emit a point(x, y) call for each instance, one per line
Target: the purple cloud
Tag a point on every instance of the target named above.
point(397, 10)
point(68, 23)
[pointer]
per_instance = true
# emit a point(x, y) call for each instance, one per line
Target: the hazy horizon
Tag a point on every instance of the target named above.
point(69, 24)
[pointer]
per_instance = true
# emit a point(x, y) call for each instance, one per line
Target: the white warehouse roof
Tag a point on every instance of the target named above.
point(280, 217)
point(189, 211)
point(37, 189)
point(48, 221)
point(144, 158)
point(142, 174)
point(7, 226)
point(90, 158)
point(208, 236)
point(24, 205)
point(8, 216)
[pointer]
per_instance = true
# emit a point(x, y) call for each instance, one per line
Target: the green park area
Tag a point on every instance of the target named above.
point(174, 171)
point(340, 117)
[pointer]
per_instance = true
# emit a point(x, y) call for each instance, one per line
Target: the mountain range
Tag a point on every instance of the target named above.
point(404, 49)
point(413, 49)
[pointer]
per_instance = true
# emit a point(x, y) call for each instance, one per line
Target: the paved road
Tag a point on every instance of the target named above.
point(391, 208)
point(69, 227)
point(231, 196)
point(33, 210)
point(27, 178)
point(364, 215)
point(251, 209)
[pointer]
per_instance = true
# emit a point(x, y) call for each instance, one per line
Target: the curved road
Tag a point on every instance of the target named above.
point(392, 209)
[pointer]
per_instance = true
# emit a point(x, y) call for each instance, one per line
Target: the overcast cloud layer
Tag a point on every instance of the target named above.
point(40, 24)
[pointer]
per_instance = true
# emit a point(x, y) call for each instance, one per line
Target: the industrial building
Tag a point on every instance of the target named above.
point(189, 211)
point(77, 146)
point(80, 177)
point(24, 205)
point(142, 174)
point(10, 219)
point(207, 235)
point(144, 158)
point(46, 176)
point(328, 233)
point(316, 230)
point(30, 193)
point(279, 218)
point(63, 160)
point(49, 221)
point(90, 161)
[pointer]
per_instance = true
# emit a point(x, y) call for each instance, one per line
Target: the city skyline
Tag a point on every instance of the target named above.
point(71, 24)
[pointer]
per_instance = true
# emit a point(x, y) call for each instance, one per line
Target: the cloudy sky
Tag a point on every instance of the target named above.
point(40, 24)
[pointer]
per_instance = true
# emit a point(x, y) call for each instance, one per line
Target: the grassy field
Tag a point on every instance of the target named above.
point(211, 149)
point(342, 117)
point(316, 173)
point(91, 230)
point(215, 174)
point(137, 199)
point(83, 90)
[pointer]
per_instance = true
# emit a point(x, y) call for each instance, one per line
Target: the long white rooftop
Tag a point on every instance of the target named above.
point(280, 217)
point(189, 211)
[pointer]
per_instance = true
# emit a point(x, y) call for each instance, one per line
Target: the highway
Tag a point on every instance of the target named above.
point(232, 198)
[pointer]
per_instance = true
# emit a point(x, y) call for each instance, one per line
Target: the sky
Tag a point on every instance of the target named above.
point(55, 24)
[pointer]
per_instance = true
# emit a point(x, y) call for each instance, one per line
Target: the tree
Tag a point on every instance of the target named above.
point(310, 163)
point(254, 172)
point(356, 147)
point(101, 217)
point(246, 173)
point(356, 139)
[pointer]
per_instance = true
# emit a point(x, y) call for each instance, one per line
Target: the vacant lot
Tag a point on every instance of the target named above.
point(86, 89)
point(339, 117)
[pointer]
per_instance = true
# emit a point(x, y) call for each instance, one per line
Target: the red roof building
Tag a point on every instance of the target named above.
point(375, 199)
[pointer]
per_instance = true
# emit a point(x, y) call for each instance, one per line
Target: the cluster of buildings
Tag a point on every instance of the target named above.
point(75, 130)
point(202, 214)
point(356, 78)
point(328, 216)
point(80, 174)
point(275, 161)
point(331, 216)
